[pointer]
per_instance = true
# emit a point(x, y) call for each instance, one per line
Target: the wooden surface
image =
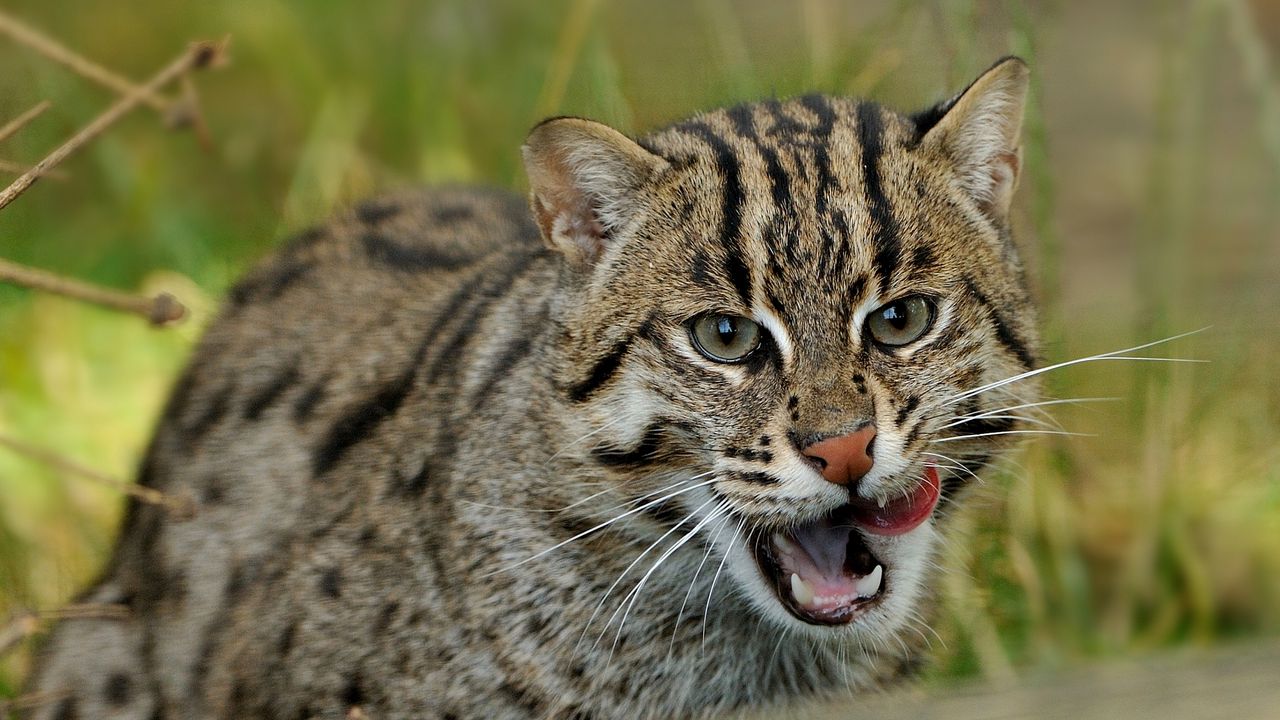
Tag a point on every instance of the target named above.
point(1239, 682)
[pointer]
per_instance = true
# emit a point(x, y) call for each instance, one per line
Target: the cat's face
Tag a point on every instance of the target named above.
point(777, 318)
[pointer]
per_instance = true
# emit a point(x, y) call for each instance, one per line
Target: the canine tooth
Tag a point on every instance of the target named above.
point(869, 585)
point(800, 590)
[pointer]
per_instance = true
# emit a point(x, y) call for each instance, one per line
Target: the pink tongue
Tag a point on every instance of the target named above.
point(902, 514)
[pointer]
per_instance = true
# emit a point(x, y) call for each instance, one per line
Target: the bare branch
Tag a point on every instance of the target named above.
point(199, 55)
point(8, 166)
point(19, 122)
point(163, 309)
point(181, 507)
point(80, 65)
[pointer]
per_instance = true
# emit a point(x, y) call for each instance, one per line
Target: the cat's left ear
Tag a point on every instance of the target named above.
point(978, 131)
point(583, 179)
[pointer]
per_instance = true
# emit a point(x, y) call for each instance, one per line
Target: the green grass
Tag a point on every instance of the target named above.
point(1148, 207)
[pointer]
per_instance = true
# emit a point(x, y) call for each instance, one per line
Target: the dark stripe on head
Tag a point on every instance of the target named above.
point(871, 140)
point(405, 485)
point(604, 369)
point(820, 106)
point(667, 514)
point(753, 478)
point(731, 208)
point(744, 124)
point(653, 447)
point(646, 451)
point(912, 435)
point(908, 407)
point(1004, 333)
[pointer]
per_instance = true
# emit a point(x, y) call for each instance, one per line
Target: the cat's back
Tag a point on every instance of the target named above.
point(272, 436)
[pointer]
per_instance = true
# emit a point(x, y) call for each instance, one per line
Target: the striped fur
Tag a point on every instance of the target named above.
point(407, 427)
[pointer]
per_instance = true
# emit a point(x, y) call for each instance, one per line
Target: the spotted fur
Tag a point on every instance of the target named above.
point(405, 431)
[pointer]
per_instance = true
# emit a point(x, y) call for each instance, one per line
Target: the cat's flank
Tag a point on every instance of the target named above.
point(678, 441)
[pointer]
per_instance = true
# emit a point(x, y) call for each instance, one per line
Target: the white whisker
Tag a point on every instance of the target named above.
point(605, 524)
point(707, 611)
point(1113, 355)
point(634, 595)
point(711, 545)
point(1011, 432)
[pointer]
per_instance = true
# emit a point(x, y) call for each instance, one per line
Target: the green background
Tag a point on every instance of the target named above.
point(1150, 205)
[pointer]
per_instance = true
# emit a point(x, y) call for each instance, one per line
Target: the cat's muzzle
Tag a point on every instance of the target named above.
point(823, 572)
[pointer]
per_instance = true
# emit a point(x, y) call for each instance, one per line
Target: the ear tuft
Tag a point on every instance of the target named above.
point(583, 178)
point(978, 131)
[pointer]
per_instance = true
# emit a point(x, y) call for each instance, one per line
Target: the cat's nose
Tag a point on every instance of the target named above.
point(844, 459)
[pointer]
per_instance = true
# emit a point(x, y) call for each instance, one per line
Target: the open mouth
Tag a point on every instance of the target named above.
point(823, 572)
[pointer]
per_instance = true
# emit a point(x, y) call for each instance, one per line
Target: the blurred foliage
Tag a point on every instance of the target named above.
point(1150, 205)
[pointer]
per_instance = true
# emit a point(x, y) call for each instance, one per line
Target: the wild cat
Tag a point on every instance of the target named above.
point(666, 441)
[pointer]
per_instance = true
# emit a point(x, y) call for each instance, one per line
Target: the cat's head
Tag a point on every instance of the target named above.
point(779, 319)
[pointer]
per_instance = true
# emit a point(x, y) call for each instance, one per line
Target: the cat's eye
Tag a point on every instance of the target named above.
point(725, 338)
point(901, 321)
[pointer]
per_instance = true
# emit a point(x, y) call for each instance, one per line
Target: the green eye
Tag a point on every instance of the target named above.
point(725, 338)
point(901, 321)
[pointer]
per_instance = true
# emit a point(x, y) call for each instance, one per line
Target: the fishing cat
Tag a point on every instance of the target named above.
point(669, 445)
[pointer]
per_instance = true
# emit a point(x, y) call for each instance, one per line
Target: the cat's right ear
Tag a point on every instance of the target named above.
point(583, 178)
point(978, 131)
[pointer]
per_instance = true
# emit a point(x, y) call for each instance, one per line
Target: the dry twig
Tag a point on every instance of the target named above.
point(19, 122)
point(163, 309)
point(199, 55)
point(175, 112)
point(28, 624)
point(8, 166)
point(181, 507)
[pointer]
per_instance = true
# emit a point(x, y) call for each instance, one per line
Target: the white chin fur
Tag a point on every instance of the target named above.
point(906, 560)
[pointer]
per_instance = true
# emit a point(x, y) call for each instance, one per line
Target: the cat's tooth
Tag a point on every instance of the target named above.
point(800, 590)
point(781, 542)
point(869, 585)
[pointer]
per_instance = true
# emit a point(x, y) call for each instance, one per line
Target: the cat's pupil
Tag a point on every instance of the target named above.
point(727, 328)
point(897, 316)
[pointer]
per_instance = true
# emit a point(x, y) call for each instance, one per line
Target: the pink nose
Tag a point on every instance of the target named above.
point(846, 458)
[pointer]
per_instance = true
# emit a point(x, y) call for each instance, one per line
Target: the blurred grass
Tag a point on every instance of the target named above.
point(1150, 204)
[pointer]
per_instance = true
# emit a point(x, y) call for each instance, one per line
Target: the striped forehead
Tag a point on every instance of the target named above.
point(807, 226)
